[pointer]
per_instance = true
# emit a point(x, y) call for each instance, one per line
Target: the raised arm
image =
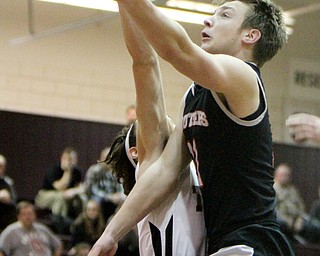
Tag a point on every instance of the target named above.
point(150, 103)
point(220, 73)
point(158, 182)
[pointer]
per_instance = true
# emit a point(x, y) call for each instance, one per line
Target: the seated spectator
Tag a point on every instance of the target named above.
point(89, 226)
point(131, 115)
point(7, 196)
point(27, 237)
point(7, 190)
point(291, 215)
point(62, 187)
point(101, 186)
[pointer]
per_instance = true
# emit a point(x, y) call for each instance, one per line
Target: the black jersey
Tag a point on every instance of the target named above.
point(234, 159)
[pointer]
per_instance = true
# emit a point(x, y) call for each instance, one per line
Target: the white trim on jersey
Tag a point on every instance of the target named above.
point(237, 119)
point(194, 176)
point(127, 147)
point(235, 250)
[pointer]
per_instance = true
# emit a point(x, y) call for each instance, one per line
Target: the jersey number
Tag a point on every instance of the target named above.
point(194, 152)
point(196, 184)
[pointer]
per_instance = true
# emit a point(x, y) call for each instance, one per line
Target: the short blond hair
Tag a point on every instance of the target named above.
point(3, 159)
point(267, 17)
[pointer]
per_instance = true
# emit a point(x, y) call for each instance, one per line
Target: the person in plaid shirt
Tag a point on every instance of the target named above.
point(103, 187)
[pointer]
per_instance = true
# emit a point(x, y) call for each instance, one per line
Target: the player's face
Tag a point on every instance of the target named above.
point(222, 33)
point(27, 216)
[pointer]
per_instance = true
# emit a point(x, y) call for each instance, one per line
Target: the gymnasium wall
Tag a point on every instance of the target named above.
point(85, 73)
point(33, 143)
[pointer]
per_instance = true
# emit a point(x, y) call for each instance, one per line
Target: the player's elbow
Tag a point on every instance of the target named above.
point(145, 60)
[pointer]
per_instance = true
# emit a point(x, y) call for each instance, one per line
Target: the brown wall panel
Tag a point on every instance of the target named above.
point(33, 143)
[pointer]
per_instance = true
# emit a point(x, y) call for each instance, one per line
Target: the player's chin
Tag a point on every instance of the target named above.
point(204, 46)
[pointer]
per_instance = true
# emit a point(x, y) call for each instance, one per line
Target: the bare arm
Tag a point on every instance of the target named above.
point(62, 184)
point(220, 73)
point(153, 127)
point(154, 185)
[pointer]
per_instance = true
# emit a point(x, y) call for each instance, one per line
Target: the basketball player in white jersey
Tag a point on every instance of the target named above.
point(176, 227)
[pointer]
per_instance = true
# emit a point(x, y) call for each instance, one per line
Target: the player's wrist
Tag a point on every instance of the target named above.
point(116, 230)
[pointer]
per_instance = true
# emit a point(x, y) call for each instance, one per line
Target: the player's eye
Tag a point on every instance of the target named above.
point(224, 14)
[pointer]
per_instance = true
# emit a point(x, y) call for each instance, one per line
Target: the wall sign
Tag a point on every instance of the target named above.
point(305, 80)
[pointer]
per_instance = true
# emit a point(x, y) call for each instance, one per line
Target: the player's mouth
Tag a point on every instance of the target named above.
point(205, 36)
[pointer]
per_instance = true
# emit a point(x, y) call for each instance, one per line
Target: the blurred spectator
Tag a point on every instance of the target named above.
point(315, 209)
point(2, 252)
point(131, 114)
point(62, 187)
point(101, 186)
point(289, 203)
point(7, 196)
point(62, 192)
point(89, 225)
point(304, 127)
point(290, 208)
point(27, 237)
point(7, 190)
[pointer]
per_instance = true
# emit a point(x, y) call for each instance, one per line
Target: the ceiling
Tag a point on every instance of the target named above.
point(48, 15)
point(285, 4)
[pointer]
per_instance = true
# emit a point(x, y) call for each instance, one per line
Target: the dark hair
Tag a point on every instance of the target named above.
point(267, 17)
point(118, 161)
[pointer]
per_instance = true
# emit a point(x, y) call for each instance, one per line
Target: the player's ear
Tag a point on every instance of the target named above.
point(251, 36)
point(133, 152)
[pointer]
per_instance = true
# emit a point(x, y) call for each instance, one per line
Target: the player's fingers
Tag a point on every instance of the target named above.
point(302, 136)
point(299, 119)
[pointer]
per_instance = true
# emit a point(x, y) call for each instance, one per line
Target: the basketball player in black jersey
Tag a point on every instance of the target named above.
point(224, 128)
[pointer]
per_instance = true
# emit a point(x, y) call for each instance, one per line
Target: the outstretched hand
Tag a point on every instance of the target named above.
point(304, 127)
